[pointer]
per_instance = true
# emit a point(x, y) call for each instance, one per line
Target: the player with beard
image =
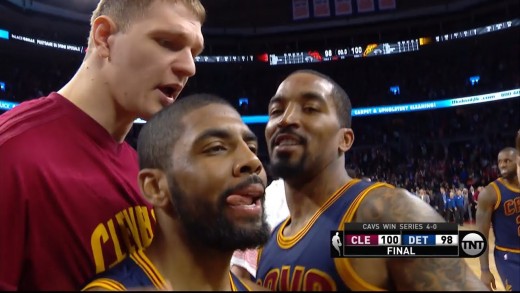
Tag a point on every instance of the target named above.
point(308, 133)
point(499, 207)
point(200, 171)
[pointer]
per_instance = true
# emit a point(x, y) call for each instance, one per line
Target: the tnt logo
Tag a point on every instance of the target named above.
point(473, 244)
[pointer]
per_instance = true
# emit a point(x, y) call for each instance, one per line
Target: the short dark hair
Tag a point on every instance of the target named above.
point(158, 136)
point(340, 97)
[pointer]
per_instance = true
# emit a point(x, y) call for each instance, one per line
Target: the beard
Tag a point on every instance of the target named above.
point(285, 169)
point(206, 223)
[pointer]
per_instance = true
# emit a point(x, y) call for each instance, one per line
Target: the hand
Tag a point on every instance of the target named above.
point(488, 279)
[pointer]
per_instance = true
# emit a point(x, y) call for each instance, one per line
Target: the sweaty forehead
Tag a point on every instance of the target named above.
point(304, 82)
point(507, 154)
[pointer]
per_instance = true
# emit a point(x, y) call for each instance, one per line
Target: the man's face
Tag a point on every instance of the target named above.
point(303, 132)
point(217, 182)
point(152, 60)
point(507, 164)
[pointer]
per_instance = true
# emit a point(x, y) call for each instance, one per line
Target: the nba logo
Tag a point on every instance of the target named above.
point(473, 244)
point(336, 244)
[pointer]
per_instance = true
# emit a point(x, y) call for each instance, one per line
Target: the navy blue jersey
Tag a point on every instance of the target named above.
point(506, 227)
point(303, 262)
point(506, 216)
point(137, 271)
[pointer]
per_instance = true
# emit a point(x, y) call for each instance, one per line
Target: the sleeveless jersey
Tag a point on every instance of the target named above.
point(506, 216)
point(303, 262)
point(137, 271)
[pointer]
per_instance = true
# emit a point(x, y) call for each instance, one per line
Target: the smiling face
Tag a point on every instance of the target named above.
point(148, 64)
point(303, 133)
point(217, 183)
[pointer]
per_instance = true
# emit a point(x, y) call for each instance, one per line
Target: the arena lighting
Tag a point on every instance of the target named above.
point(378, 110)
point(303, 57)
point(395, 90)
point(4, 34)
point(473, 80)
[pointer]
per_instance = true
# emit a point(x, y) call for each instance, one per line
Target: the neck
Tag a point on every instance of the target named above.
point(90, 92)
point(512, 181)
point(189, 266)
point(304, 198)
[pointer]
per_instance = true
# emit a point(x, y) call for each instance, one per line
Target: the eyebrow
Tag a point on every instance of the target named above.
point(177, 34)
point(224, 134)
point(307, 96)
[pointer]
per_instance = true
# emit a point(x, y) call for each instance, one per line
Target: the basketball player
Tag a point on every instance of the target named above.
point(308, 133)
point(70, 205)
point(499, 207)
point(200, 171)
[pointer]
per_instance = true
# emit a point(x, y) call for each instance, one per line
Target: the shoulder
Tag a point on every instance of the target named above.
point(488, 195)
point(29, 118)
point(386, 204)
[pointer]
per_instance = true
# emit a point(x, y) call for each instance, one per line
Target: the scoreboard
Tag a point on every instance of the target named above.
point(406, 240)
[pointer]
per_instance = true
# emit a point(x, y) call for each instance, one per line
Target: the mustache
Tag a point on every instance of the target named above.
point(289, 131)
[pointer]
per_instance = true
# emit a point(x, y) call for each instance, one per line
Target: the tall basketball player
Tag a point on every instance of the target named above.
point(499, 208)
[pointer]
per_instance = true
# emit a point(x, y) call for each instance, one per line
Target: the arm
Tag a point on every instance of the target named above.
point(486, 205)
point(432, 274)
point(13, 216)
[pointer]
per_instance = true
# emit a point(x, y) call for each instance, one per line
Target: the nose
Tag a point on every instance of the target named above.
point(247, 163)
point(184, 66)
point(290, 116)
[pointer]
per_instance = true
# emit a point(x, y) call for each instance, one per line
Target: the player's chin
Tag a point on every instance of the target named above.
point(150, 110)
point(246, 222)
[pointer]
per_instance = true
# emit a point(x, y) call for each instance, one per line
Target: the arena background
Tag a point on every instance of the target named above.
point(455, 49)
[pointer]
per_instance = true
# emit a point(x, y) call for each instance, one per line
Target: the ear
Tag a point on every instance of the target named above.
point(154, 187)
point(102, 28)
point(346, 139)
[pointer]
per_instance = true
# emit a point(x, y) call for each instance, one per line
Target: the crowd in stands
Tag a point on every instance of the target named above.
point(452, 147)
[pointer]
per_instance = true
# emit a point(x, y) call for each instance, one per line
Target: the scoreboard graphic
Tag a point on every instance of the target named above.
point(406, 240)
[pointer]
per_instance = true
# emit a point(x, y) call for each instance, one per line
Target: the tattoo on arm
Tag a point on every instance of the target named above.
point(398, 205)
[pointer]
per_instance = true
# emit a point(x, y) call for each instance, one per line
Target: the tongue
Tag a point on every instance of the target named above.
point(237, 200)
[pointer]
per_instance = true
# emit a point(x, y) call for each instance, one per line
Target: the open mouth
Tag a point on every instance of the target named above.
point(168, 91)
point(286, 140)
point(246, 201)
point(249, 197)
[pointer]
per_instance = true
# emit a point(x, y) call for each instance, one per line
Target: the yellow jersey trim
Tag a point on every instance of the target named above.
point(288, 242)
point(498, 194)
point(507, 249)
point(233, 285)
point(151, 271)
point(343, 265)
point(509, 186)
point(105, 283)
